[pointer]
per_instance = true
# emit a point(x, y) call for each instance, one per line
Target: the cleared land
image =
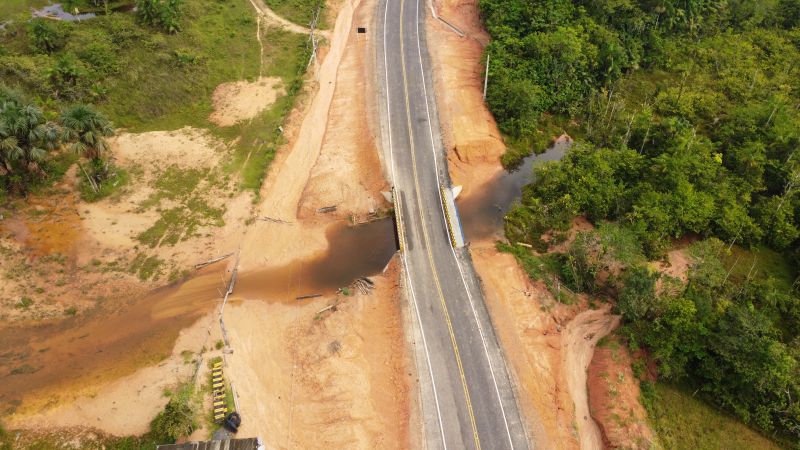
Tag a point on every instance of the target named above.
point(77, 302)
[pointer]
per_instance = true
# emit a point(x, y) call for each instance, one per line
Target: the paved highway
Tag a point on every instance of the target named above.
point(467, 398)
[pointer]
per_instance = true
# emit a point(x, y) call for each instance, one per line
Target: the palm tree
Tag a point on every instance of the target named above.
point(25, 136)
point(87, 129)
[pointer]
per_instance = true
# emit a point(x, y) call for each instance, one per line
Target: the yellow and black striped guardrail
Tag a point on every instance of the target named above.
point(398, 214)
point(448, 217)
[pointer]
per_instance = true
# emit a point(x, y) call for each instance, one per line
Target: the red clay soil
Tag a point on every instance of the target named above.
point(614, 398)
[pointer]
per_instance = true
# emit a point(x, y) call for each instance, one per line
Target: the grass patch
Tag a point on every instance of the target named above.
point(174, 184)
point(686, 423)
point(24, 303)
point(180, 223)
point(300, 12)
point(147, 267)
point(17, 9)
point(192, 212)
point(286, 56)
point(765, 263)
point(117, 179)
point(140, 78)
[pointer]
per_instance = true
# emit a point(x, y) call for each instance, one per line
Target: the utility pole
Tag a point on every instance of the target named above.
point(313, 26)
point(486, 77)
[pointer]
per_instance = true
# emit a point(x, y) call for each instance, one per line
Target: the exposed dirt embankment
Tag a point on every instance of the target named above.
point(347, 173)
point(312, 377)
point(529, 325)
point(470, 132)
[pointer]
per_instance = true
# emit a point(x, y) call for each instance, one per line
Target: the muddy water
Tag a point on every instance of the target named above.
point(353, 252)
point(482, 212)
point(40, 361)
point(56, 11)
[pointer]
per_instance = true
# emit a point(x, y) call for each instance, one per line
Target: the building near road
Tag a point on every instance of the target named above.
point(223, 444)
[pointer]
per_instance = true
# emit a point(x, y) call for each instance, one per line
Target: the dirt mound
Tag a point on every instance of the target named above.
point(614, 398)
point(337, 378)
point(186, 147)
point(242, 100)
point(348, 171)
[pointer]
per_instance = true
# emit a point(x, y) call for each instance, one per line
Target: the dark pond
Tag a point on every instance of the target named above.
point(482, 212)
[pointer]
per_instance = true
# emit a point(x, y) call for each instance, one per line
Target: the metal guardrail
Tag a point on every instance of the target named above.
point(448, 217)
point(398, 214)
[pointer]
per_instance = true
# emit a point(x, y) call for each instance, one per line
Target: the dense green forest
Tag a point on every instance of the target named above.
point(687, 119)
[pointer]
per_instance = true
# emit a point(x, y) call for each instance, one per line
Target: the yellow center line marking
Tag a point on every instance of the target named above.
point(427, 240)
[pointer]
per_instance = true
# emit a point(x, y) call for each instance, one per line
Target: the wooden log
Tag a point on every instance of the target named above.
point(273, 220)
point(212, 260)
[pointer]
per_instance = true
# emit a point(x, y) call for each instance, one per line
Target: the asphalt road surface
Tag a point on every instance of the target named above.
point(467, 398)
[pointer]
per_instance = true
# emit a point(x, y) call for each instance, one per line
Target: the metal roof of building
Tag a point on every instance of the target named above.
point(225, 444)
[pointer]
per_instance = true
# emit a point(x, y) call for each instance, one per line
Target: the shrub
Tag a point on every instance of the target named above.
point(163, 14)
point(177, 419)
point(46, 37)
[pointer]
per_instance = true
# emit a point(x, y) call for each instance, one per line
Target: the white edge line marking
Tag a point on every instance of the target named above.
point(458, 264)
point(405, 261)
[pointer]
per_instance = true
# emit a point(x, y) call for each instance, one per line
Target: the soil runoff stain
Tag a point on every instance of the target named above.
point(39, 360)
point(482, 213)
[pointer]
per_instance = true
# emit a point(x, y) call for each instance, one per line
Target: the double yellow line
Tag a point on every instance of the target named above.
point(427, 239)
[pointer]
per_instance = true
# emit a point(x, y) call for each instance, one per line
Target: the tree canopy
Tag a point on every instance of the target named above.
point(687, 124)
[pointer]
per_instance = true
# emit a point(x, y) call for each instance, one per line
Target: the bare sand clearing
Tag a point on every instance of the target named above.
point(186, 148)
point(243, 100)
point(333, 379)
point(128, 404)
point(114, 223)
